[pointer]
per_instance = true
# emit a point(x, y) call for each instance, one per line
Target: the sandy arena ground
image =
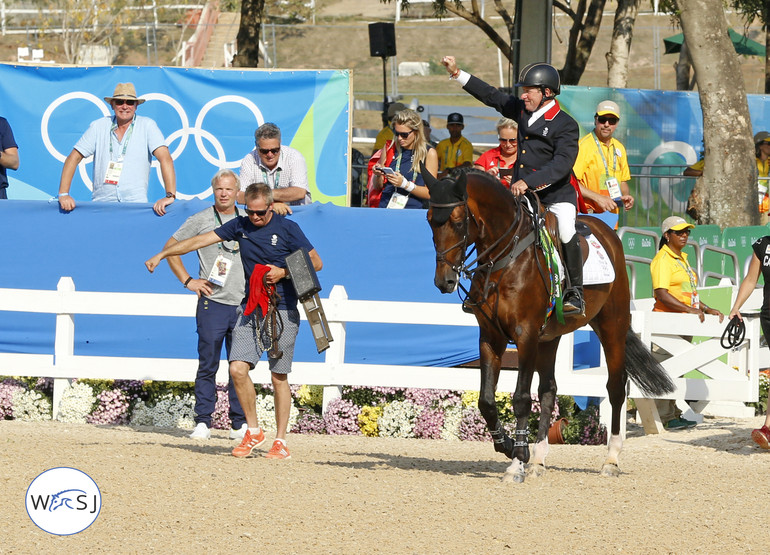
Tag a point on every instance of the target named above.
point(695, 491)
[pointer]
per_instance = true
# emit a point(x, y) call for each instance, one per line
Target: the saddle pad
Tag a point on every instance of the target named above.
point(597, 268)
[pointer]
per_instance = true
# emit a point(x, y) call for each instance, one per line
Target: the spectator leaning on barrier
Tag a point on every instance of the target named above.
point(265, 240)
point(122, 146)
point(502, 157)
point(674, 285)
point(455, 151)
point(601, 167)
point(9, 155)
point(220, 288)
point(760, 263)
point(281, 167)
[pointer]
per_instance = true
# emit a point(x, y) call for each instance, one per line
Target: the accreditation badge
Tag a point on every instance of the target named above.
point(112, 176)
point(221, 270)
point(694, 299)
point(613, 187)
point(398, 200)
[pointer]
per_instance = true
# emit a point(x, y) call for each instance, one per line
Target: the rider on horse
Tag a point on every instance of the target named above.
point(548, 147)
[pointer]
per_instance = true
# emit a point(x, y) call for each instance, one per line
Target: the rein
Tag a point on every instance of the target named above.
point(273, 323)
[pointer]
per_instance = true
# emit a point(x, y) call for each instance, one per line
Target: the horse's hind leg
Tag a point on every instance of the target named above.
point(613, 339)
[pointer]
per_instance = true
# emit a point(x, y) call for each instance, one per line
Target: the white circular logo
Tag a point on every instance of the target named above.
point(63, 501)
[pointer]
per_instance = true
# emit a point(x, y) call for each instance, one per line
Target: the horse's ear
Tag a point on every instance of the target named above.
point(462, 183)
point(427, 177)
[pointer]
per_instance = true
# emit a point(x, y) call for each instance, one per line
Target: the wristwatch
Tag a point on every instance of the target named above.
point(171, 195)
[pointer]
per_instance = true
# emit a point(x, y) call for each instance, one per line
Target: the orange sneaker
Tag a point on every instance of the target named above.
point(249, 443)
point(278, 451)
point(760, 436)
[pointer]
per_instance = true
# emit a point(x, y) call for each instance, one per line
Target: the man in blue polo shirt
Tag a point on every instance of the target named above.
point(265, 240)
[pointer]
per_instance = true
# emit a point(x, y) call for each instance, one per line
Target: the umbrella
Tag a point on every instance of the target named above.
point(743, 45)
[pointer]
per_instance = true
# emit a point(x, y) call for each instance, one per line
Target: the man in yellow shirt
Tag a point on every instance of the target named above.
point(455, 151)
point(386, 133)
point(601, 166)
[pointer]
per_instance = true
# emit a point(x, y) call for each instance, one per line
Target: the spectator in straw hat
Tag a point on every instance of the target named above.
point(122, 146)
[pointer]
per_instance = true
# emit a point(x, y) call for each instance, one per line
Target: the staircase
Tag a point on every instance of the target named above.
point(225, 33)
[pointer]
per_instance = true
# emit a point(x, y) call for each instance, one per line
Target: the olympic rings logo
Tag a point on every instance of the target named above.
point(218, 160)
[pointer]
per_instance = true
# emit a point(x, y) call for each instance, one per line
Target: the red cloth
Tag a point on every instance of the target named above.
point(259, 295)
point(581, 204)
point(373, 197)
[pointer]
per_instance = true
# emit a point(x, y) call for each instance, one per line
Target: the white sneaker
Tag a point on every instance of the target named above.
point(201, 431)
point(238, 434)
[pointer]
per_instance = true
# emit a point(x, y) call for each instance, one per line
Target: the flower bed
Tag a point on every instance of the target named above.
point(369, 411)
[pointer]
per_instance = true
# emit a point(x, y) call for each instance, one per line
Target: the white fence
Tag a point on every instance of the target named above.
point(733, 381)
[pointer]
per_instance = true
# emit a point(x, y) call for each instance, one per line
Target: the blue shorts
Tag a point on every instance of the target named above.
point(247, 340)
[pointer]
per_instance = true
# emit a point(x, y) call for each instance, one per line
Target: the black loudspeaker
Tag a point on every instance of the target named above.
point(302, 274)
point(382, 40)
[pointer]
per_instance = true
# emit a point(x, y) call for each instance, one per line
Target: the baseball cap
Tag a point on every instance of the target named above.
point(761, 137)
point(394, 108)
point(454, 117)
point(606, 107)
point(675, 223)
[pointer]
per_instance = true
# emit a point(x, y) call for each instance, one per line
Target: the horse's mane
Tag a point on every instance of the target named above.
point(487, 183)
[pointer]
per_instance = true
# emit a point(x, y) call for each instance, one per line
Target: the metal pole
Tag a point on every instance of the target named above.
point(384, 92)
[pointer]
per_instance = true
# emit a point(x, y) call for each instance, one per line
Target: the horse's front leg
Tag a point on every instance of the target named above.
point(522, 405)
point(546, 361)
point(490, 357)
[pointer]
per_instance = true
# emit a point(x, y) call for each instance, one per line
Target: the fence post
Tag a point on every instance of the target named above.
point(335, 354)
point(64, 341)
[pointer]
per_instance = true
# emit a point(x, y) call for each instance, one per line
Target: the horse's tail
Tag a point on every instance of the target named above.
point(644, 370)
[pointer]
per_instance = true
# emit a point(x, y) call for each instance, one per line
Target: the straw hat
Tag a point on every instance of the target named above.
point(124, 91)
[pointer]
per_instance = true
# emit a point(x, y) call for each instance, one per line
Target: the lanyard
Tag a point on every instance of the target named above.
point(690, 275)
point(604, 160)
point(126, 138)
point(398, 165)
point(221, 244)
point(457, 153)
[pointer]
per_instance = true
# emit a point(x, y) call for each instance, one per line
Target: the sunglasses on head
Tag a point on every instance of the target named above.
point(121, 101)
point(681, 231)
point(607, 119)
point(402, 134)
point(509, 141)
point(259, 213)
point(270, 150)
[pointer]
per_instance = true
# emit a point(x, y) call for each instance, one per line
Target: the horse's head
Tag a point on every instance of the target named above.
point(449, 219)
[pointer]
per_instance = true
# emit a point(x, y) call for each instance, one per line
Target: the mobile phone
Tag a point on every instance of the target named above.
point(387, 171)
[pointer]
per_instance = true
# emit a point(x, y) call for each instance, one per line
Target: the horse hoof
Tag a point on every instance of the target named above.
point(513, 477)
point(536, 470)
point(611, 470)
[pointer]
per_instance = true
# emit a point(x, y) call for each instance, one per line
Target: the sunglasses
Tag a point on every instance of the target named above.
point(607, 119)
point(270, 150)
point(401, 134)
point(681, 231)
point(509, 141)
point(121, 101)
point(259, 213)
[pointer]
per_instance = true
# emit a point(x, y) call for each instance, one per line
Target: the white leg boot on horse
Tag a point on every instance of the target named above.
point(573, 262)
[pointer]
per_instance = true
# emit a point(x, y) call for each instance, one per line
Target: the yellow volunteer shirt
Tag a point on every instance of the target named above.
point(451, 155)
point(385, 135)
point(589, 168)
point(670, 272)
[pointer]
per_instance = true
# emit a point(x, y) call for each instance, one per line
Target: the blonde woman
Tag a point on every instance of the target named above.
point(502, 157)
point(400, 180)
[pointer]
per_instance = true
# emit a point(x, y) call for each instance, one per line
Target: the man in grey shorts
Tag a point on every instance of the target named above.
point(265, 239)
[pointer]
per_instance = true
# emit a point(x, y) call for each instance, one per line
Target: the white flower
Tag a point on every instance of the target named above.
point(398, 419)
point(31, 405)
point(266, 413)
point(76, 403)
point(452, 418)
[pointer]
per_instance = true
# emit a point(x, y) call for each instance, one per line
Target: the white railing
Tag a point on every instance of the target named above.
point(736, 380)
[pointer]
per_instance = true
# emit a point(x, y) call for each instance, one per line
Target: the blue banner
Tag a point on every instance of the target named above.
point(208, 118)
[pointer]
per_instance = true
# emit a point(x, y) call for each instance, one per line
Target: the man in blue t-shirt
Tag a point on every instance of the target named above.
point(265, 240)
point(9, 155)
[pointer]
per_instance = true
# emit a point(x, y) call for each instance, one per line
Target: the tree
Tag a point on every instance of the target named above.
point(252, 13)
point(726, 195)
point(620, 46)
point(758, 9)
point(84, 22)
point(586, 20)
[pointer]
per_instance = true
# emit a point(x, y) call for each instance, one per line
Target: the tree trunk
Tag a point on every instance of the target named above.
point(682, 68)
point(728, 189)
point(252, 12)
point(582, 37)
point(620, 47)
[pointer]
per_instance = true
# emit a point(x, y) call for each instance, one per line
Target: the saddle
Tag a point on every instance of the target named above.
point(581, 228)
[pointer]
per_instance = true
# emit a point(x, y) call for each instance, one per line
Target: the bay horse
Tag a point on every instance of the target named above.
point(510, 295)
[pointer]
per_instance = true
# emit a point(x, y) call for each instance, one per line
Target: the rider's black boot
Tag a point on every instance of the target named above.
point(573, 261)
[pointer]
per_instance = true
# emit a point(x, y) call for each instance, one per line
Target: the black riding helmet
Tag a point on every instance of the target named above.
point(541, 75)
